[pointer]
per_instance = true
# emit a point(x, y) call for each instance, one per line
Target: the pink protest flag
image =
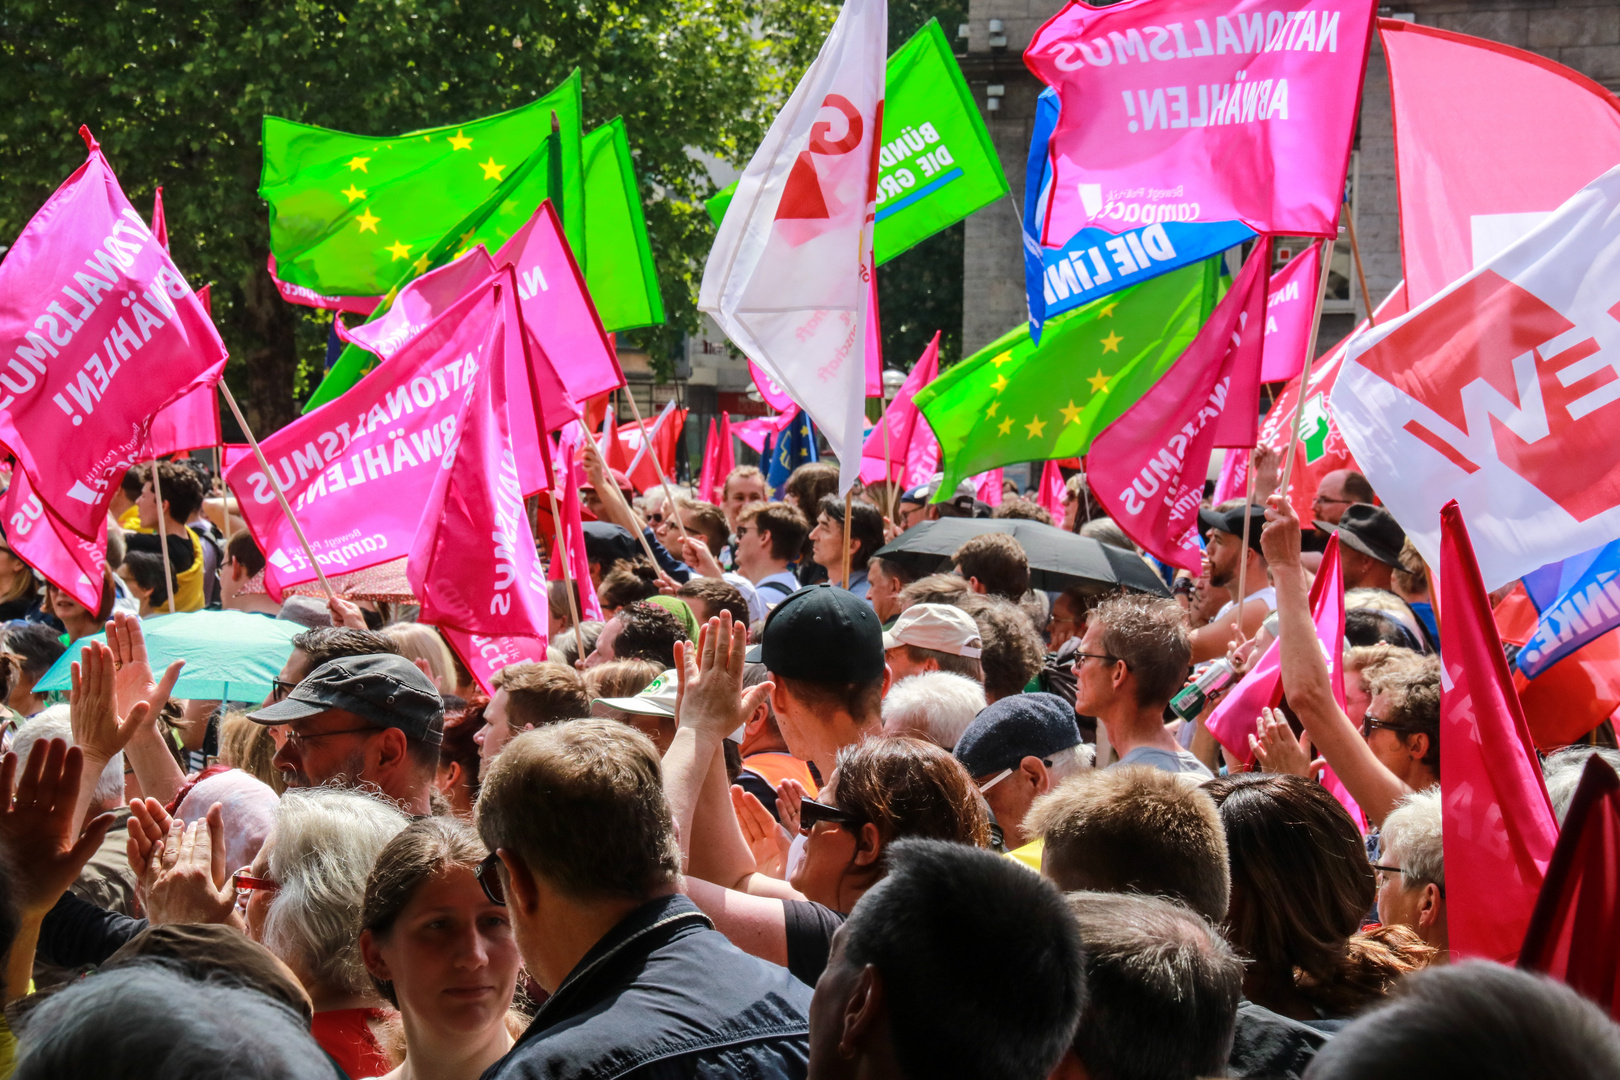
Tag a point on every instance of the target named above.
point(358, 470)
point(473, 563)
point(101, 330)
point(1290, 305)
point(1052, 490)
point(160, 226)
point(188, 422)
point(557, 307)
point(769, 389)
point(420, 302)
point(1201, 111)
point(1470, 180)
point(987, 487)
point(874, 342)
point(1233, 479)
point(298, 294)
point(1148, 467)
point(1497, 820)
point(485, 654)
point(718, 460)
point(570, 479)
point(905, 425)
point(68, 561)
point(759, 431)
point(235, 452)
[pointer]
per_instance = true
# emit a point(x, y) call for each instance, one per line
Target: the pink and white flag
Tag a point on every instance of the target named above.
point(68, 561)
point(905, 428)
point(1202, 111)
point(1290, 307)
point(486, 654)
point(420, 302)
point(1502, 392)
point(760, 430)
point(571, 533)
point(306, 297)
point(788, 278)
point(1148, 466)
point(98, 330)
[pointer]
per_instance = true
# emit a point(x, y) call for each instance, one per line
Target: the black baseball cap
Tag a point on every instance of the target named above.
point(607, 543)
point(1371, 530)
point(1009, 730)
point(1231, 521)
point(381, 688)
point(824, 634)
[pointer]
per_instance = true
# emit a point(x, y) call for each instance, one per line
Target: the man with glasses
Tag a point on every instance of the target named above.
point(1411, 871)
point(1338, 491)
point(367, 722)
point(768, 539)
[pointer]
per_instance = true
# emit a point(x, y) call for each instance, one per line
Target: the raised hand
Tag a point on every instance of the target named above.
point(767, 841)
point(1278, 751)
point(92, 701)
point(1279, 540)
point(132, 670)
point(186, 880)
point(345, 613)
point(696, 554)
point(709, 696)
point(148, 826)
point(788, 794)
point(39, 824)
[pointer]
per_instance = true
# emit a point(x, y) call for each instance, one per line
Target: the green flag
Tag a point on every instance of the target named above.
point(619, 268)
point(936, 164)
point(353, 215)
point(1016, 401)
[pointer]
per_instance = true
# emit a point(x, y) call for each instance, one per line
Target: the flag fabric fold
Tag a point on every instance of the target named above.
point(571, 477)
point(68, 561)
point(1290, 307)
point(1497, 821)
point(905, 429)
point(793, 446)
point(618, 255)
point(1052, 490)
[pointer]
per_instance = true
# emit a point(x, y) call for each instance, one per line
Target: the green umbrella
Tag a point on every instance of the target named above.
point(229, 655)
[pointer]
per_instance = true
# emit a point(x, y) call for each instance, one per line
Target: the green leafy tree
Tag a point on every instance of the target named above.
point(176, 93)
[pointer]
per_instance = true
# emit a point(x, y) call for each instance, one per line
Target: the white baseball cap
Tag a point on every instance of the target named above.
point(658, 699)
point(939, 627)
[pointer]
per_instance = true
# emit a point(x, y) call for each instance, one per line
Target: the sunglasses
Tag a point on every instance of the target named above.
point(246, 882)
point(1370, 722)
point(489, 878)
point(812, 813)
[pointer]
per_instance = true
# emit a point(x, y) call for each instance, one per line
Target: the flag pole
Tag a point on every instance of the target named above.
point(1243, 558)
point(1305, 374)
point(669, 496)
point(849, 497)
point(888, 468)
point(163, 532)
point(568, 573)
point(645, 547)
point(275, 485)
point(1361, 275)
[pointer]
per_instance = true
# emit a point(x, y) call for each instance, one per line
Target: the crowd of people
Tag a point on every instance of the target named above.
point(791, 808)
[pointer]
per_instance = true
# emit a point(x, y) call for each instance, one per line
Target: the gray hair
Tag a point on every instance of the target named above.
point(158, 1023)
point(1070, 761)
point(1562, 770)
point(1412, 831)
point(56, 722)
point(938, 705)
point(321, 852)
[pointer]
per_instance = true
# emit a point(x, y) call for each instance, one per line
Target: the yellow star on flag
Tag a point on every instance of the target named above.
point(1000, 384)
point(1005, 426)
point(1035, 427)
point(367, 221)
point(421, 264)
point(460, 141)
point(492, 171)
point(358, 164)
point(1072, 413)
point(1108, 310)
point(355, 194)
point(1099, 382)
point(1111, 342)
point(991, 411)
point(400, 250)
point(1002, 359)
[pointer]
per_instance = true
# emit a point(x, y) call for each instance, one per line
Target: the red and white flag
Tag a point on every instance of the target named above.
point(1471, 180)
point(98, 330)
point(1148, 467)
point(788, 278)
point(1502, 392)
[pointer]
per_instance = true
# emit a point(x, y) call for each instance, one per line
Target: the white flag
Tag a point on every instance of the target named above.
point(1502, 391)
point(787, 276)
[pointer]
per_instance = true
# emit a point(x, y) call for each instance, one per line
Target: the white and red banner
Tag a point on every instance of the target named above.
point(1290, 305)
point(789, 276)
point(909, 438)
point(1148, 467)
point(1471, 180)
point(1202, 111)
point(98, 331)
point(1502, 392)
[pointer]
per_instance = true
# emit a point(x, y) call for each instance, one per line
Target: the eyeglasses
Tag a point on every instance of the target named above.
point(1403, 873)
point(812, 813)
point(297, 741)
point(1107, 658)
point(994, 780)
point(488, 874)
point(1326, 499)
point(740, 531)
point(280, 688)
point(655, 519)
point(1370, 722)
point(244, 881)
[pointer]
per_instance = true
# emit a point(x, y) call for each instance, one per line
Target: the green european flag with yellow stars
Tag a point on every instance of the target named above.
point(358, 215)
point(1017, 401)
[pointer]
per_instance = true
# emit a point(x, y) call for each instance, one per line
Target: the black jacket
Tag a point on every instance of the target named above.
point(665, 996)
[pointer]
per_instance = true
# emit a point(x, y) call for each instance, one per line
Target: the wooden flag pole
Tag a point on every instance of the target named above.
point(646, 437)
point(888, 468)
point(641, 536)
point(163, 533)
point(561, 552)
point(1305, 374)
point(849, 497)
point(1243, 557)
point(275, 485)
point(1361, 275)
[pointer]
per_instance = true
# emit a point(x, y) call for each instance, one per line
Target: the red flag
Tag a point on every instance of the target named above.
point(612, 447)
point(718, 460)
point(484, 654)
point(1148, 467)
point(910, 439)
point(160, 226)
point(1052, 490)
point(70, 562)
point(99, 330)
point(570, 479)
point(1572, 934)
point(1498, 822)
point(650, 441)
point(473, 563)
point(1470, 180)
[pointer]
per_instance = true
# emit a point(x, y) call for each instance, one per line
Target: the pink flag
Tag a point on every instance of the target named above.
point(298, 294)
point(557, 308)
point(1290, 307)
point(571, 526)
point(419, 303)
point(473, 563)
point(1234, 478)
point(484, 654)
point(160, 226)
point(1470, 180)
point(1052, 490)
point(987, 487)
point(101, 330)
point(1251, 121)
point(718, 460)
point(757, 432)
point(1498, 822)
point(1163, 441)
point(68, 561)
point(905, 424)
point(358, 470)
point(769, 389)
point(711, 461)
point(188, 422)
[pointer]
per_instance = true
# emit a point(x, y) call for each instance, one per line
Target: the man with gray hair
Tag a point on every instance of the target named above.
point(1412, 870)
point(936, 705)
point(1017, 749)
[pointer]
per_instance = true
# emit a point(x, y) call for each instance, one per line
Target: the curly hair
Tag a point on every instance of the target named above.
point(1411, 683)
point(648, 632)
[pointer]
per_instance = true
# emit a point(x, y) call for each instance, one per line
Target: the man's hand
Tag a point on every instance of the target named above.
point(767, 840)
point(709, 697)
point(186, 880)
point(696, 554)
point(148, 828)
point(1267, 466)
point(345, 613)
point(132, 670)
point(1275, 747)
point(92, 702)
point(667, 586)
point(1279, 540)
point(39, 825)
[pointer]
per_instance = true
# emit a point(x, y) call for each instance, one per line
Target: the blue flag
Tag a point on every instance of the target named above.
point(1586, 609)
point(1095, 262)
point(795, 446)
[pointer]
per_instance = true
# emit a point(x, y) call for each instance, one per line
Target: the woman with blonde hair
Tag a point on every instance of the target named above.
point(419, 642)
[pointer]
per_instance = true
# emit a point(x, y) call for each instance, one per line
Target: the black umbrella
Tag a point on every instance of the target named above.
point(1058, 560)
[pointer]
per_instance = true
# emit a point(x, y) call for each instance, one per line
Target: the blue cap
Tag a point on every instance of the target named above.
point(1024, 725)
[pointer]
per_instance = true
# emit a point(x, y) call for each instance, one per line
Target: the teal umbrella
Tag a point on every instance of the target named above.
point(229, 655)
